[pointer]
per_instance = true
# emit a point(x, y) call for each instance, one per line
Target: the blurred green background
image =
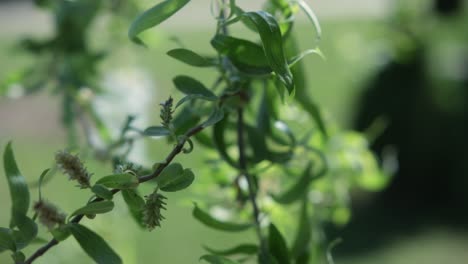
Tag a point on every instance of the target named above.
point(358, 39)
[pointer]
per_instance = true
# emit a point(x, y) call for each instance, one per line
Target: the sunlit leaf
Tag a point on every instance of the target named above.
point(94, 245)
point(154, 16)
point(209, 221)
point(100, 207)
point(272, 42)
point(246, 249)
point(19, 191)
point(119, 181)
point(248, 57)
point(189, 57)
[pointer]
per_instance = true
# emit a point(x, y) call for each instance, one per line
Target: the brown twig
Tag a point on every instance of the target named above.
point(244, 170)
point(175, 151)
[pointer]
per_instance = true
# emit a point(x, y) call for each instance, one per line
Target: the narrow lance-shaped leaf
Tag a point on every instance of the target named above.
point(189, 57)
point(298, 189)
point(220, 142)
point(94, 245)
point(272, 41)
point(209, 221)
point(154, 16)
point(247, 249)
point(216, 116)
point(302, 87)
point(213, 259)
point(156, 131)
point(248, 57)
point(100, 207)
point(119, 181)
point(135, 204)
point(41, 179)
point(190, 86)
point(300, 249)
point(19, 191)
point(277, 245)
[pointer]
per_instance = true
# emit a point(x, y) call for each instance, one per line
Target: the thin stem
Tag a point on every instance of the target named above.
point(248, 177)
point(175, 151)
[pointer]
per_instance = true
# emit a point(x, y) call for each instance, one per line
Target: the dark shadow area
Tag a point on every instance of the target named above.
point(430, 187)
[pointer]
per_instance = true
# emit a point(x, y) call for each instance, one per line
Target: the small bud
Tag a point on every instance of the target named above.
point(73, 167)
point(166, 112)
point(152, 216)
point(48, 214)
point(128, 167)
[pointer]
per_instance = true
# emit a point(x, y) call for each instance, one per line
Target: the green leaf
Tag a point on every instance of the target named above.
point(330, 247)
point(272, 41)
point(100, 207)
point(220, 142)
point(19, 191)
point(302, 88)
point(61, 233)
point(247, 249)
point(94, 245)
point(18, 257)
point(208, 220)
point(216, 116)
point(154, 16)
point(119, 181)
point(213, 259)
point(248, 57)
point(300, 249)
point(41, 179)
point(102, 191)
point(190, 86)
point(297, 190)
point(185, 120)
point(27, 231)
point(277, 245)
point(156, 131)
point(189, 57)
point(174, 178)
point(312, 17)
point(135, 204)
point(7, 241)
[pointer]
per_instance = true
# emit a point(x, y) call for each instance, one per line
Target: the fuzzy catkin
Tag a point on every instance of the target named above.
point(73, 167)
point(152, 216)
point(48, 214)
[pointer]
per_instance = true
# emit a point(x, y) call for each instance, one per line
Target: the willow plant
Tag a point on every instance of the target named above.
point(279, 165)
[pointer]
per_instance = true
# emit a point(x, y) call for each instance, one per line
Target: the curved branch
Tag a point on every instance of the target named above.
point(175, 151)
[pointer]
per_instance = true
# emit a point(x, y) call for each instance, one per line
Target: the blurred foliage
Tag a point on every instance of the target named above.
point(277, 164)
